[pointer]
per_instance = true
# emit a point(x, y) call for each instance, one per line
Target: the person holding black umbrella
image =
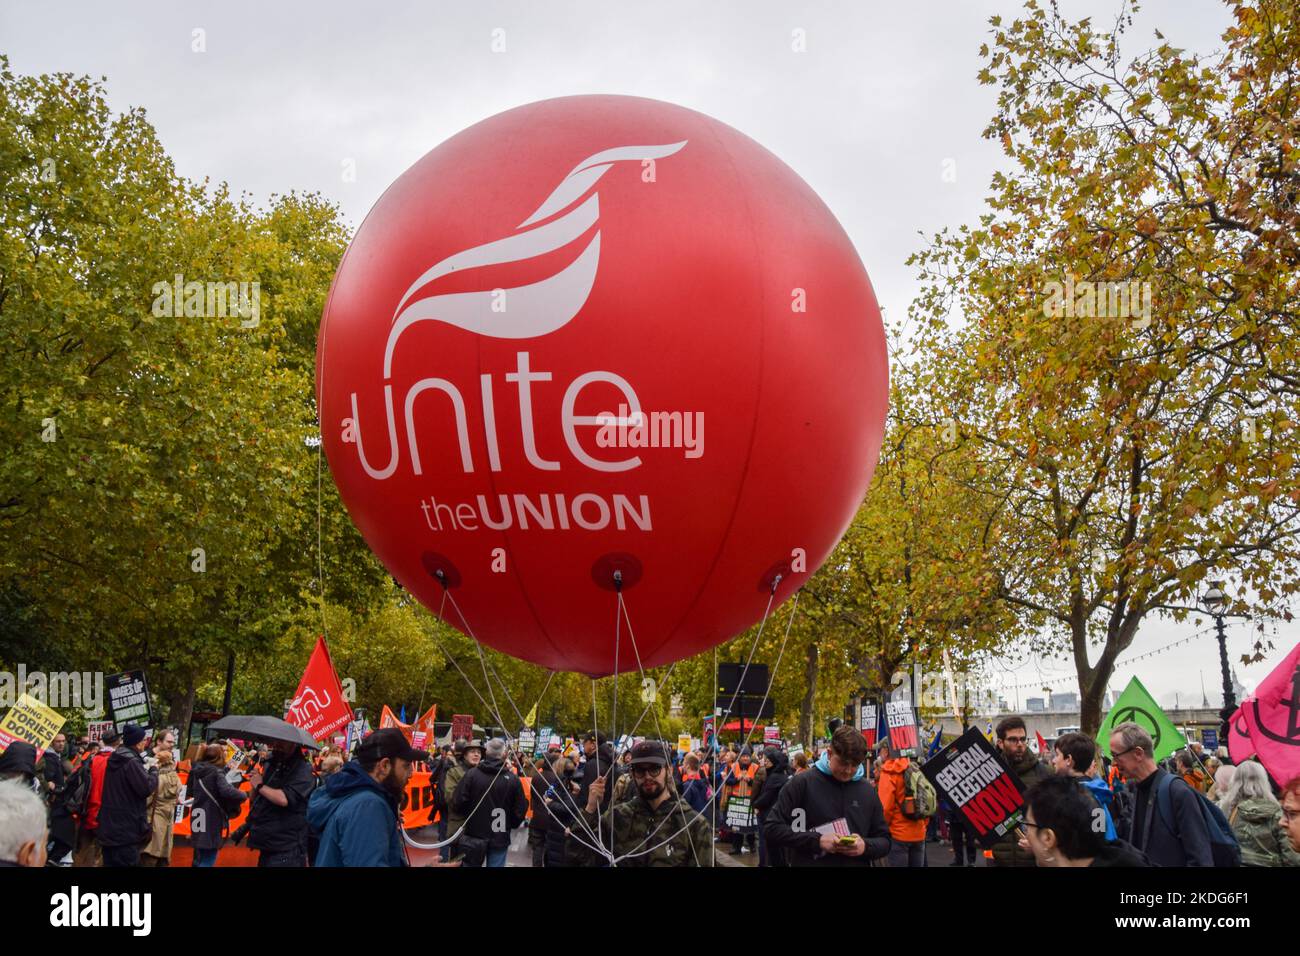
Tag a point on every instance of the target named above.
point(277, 820)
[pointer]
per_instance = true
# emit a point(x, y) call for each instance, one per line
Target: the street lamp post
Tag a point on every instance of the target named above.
point(1216, 602)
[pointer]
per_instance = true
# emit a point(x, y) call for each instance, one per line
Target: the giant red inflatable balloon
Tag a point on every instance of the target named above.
point(546, 290)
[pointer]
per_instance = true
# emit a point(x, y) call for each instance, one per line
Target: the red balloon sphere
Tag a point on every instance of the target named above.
point(600, 344)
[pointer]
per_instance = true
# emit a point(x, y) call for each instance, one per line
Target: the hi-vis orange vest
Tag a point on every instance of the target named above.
point(740, 780)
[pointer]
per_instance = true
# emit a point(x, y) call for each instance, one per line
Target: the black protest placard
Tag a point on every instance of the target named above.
point(970, 774)
point(128, 699)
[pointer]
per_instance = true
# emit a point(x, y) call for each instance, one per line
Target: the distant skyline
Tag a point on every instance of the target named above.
point(880, 112)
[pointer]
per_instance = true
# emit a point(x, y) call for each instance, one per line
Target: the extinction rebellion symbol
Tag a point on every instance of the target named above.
point(1148, 723)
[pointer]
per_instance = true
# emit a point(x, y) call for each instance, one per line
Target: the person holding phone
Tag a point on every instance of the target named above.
point(831, 815)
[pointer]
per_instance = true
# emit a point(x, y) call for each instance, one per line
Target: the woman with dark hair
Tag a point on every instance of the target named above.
point(215, 802)
point(1062, 827)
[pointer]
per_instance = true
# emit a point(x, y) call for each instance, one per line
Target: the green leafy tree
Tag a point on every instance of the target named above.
point(1115, 339)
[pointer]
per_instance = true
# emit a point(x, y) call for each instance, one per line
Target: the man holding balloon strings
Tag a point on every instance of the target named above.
point(654, 828)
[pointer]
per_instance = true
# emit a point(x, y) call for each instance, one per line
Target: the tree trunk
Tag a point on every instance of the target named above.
point(809, 696)
point(1090, 695)
point(1094, 680)
point(180, 708)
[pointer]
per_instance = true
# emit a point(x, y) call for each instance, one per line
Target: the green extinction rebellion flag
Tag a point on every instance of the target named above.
point(1137, 706)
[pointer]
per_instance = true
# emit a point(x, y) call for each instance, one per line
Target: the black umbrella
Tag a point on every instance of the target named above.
point(264, 728)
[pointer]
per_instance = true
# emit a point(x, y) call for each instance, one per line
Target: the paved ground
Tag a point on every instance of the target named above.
point(937, 854)
point(520, 853)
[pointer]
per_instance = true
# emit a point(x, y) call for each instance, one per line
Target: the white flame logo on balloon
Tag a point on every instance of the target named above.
point(533, 310)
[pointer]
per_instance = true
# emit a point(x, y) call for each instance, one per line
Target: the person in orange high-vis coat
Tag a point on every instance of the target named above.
point(739, 783)
point(908, 835)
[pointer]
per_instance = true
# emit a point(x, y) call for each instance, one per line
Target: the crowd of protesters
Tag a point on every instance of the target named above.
point(114, 803)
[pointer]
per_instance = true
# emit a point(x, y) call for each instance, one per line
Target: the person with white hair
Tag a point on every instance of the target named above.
point(1222, 781)
point(1256, 819)
point(491, 801)
point(24, 829)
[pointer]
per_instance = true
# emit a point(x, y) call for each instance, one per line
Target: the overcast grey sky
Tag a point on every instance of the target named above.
point(883, 95)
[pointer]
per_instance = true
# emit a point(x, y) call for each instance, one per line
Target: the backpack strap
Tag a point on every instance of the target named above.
point(1164, 801)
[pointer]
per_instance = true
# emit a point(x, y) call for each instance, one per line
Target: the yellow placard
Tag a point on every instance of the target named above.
point(32, 721)
point(683, 743)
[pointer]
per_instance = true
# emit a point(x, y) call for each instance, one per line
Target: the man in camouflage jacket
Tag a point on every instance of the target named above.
point(656, 827)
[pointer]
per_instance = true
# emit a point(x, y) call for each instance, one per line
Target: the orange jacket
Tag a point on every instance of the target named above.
point(892, 793)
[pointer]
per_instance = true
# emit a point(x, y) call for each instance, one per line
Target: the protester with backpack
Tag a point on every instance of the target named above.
point(87, 794)
point(1256, 817)
point(909, 801)
point(1172, 824)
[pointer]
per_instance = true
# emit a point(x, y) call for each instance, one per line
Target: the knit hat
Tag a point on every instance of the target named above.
point(132, 734)
point(19, 758)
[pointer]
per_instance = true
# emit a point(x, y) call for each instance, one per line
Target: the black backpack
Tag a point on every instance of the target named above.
point(77, 790)
point(1224, 847)
point(439, 782)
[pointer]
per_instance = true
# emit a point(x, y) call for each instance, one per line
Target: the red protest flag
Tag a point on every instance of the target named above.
point(318, 707)
point(1042, 744)
point(1272, 719)
point(1240, 748)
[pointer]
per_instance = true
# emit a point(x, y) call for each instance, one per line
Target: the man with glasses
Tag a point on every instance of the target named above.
point(1013, 743)
point(654, 828)
point(1169, 829)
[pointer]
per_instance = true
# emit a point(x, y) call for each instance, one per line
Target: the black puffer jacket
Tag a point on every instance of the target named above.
point(776, 779)
point(824, 799)
point(487, 789)
point(562, 808)
point(538, 784)
point(124, 811)
point(276, 829)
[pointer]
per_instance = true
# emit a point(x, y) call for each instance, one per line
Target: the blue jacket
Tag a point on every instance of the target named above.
point(1103, 795)
point(696, 793)
point(357, 821)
